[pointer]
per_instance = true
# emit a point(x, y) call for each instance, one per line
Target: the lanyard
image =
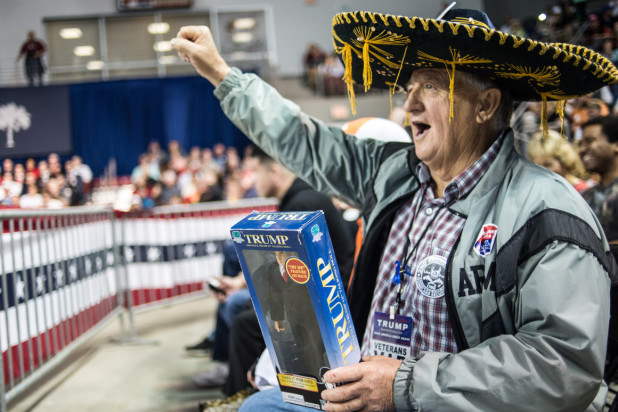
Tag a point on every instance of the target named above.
point(402, 268)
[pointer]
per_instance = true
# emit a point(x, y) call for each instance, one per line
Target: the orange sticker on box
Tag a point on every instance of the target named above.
point(297, 270)
point(298, 382)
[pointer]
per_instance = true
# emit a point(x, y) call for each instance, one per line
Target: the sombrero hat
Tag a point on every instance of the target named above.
point(381, 50)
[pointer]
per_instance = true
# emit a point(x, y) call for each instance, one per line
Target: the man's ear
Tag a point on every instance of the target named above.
point(489, 100)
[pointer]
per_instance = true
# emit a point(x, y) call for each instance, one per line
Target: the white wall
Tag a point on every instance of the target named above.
point(296, 23)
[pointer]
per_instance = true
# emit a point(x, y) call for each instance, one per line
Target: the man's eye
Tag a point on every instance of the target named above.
point(429, 86)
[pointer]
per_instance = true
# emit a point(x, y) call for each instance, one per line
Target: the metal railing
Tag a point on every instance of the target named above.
point(58, 282)
point(65, 274)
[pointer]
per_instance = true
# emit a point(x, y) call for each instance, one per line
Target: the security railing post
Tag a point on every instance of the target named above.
point(44, 290)
point(127, 285)
point(2, 390)
point(120, 298)
point(28, 295)
point(36, 299)
point(20, 349)
point(5, 299)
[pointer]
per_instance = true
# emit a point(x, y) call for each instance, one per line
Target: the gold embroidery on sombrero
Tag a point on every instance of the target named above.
point(544, 48)
point(543, 76)
point(385, 20)
point(425, 23)
point(368, 42)
point(397, 20)
point(454, 28)
point(503, 37)
point(470, 30)
point(517, 42)
point(439, 25)
point(364, 45)
point(469, 21)
point(488, 33)
point(411, 22)
point(533, 44)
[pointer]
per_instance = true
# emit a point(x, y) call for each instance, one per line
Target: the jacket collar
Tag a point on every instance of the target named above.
point(492, 179)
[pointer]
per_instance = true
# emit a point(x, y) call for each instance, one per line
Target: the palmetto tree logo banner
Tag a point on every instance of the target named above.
point(35, 121)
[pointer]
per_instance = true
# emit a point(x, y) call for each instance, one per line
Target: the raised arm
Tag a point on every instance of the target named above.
point(196, 46)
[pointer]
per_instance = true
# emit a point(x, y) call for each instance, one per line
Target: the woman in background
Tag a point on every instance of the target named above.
point(558, 155)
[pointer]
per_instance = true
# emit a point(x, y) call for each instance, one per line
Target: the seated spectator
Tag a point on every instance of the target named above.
point(233, 190)
point(142, 196)
point(51, 201)
point(55, 187)
point(177, 160)
point(31, 166)
point(44, 174)
point(314, 56)
point(232, 163)
point(555, 153)
point(169, 189)
point(82, 170)
point(156, 155)
point(55, 167)
point(13, 188)
point(7, 165)
point(146, 169)
point(19, 173)
point(210, 187)
point(330, 75)
point(32, 199)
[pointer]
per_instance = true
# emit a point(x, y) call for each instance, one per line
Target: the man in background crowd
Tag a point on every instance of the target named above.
point(33, 49)
point(599, 152)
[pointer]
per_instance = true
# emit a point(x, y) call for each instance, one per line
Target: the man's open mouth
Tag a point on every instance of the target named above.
point(420, 129)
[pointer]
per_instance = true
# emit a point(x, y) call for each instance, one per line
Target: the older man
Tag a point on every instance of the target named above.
point(498, 267)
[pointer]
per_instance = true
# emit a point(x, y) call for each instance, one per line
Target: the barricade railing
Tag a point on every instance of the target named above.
point(64, 274)
point(57, 284)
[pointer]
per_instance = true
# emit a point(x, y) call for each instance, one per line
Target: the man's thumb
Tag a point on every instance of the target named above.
point(183, 46)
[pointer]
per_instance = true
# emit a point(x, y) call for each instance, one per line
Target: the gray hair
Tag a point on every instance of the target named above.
point(502, 117)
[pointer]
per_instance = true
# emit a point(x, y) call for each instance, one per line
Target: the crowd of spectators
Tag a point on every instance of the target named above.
point(46, 184)
point(204, 174)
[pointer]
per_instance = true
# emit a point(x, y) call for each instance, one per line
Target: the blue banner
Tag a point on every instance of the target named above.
point(35, 121)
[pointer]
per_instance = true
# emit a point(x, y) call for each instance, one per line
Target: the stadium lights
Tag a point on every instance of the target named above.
point(542, 17)
point(158, 28)
point(95, 65)
point(71, 33)
point(168, 59)
point(245, 23)
point(163, 46)
point(242, 37)
point(83, 51)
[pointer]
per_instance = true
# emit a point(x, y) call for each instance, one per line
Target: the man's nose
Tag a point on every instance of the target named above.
point(413, 102)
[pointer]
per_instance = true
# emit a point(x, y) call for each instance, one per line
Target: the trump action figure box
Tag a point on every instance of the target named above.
point(288, 261)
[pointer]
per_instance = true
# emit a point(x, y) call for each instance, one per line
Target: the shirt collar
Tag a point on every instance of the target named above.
point(463, 184)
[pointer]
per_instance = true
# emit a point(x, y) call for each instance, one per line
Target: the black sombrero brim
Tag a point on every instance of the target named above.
point(382, 51)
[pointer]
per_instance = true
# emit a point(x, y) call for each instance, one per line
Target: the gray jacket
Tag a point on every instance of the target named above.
point(530, 318)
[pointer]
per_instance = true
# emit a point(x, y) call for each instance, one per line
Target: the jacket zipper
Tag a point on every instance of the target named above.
point(460, 337)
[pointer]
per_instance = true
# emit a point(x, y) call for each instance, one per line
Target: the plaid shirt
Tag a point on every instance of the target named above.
point(434, 231)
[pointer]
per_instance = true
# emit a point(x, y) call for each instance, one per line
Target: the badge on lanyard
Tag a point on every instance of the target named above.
point(391, 337)
point(429, 276)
